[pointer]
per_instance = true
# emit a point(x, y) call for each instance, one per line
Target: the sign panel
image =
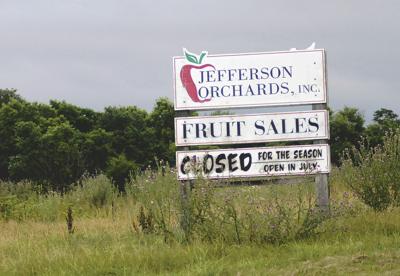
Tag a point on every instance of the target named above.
point(253, 162)
point(247, 80)
point(236, 129)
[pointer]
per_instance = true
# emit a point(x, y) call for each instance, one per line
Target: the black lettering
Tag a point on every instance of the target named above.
point(239, 133)
point(205, 163)
point(259, 125)
point(202, 130)
point(212, 130)
point(254, 74)
point(184, 161)
point(220, 166)
point(223, 91)
point(288, 71)
point(249, 91)
point(284, 127)
point(272, 124)
point(186, 130)
point(221, 74)
point(313, 122)
point(214, 90)
point(243, 166)
point(300, 124)
point(232, 162)
point(242, 74)
point(264, 73)
point(284, 88)
point(273, 88)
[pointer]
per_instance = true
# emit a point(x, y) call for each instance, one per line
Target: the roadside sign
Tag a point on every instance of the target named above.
point(254, 128)
point(249, 80)
point(254, 162)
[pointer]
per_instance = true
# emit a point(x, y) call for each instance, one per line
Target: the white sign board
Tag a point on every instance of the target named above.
point(236, 129)
point(247, 80)
point(253, 162)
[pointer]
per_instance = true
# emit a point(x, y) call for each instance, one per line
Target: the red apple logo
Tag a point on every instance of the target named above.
point(186, 76)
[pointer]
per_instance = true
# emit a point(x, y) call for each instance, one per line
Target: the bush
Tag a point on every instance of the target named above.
point(97, 191)
point(22, 201)
point(157, 194)
point(120, 169)
point(373, 174)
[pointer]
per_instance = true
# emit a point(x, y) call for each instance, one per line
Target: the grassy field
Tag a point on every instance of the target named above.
point(111, 237)
point(368, 243)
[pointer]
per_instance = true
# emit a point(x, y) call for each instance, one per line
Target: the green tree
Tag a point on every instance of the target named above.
point(347, 129)
point(384, 122)
point(83, 119)
point(130, 135)
point(161, 127)
point(12, 112)
point(97, 150)
point(52, 156)
point(6, 95)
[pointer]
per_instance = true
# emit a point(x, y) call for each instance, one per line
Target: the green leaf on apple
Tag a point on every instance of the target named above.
point(191, 58)
point(202, 55)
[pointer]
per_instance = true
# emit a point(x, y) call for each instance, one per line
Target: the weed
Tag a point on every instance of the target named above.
point(70, 221)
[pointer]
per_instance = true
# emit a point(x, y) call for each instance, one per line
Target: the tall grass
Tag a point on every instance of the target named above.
point(366, 243)
point(212, 228)
point(208, 212)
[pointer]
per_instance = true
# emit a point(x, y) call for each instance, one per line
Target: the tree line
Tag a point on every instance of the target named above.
point(55, 144)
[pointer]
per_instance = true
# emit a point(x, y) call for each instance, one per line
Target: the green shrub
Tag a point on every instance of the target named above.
point(97, 191)
point(7, 205)
point(20, 201)
point(47, 207)
point(22, 189)
point(120, 169)
point(158, 196)
point(373, 174)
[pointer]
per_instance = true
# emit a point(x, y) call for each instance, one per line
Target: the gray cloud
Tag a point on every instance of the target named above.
point(100, 53)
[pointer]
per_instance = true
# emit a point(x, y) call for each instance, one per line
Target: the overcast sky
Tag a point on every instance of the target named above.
point(97, 53)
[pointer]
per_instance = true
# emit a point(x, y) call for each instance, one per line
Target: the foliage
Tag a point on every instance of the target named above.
point(219, 213)
point(54, 144)
point(346, 128)
point(120, 169)
point(96, 191)
point(161, 121)
point(385, 121)
point(233, 229)
point(8, 95)
point(373, 174)
point(23, 201)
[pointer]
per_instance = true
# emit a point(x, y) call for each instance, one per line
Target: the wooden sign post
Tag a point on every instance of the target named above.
point(185, 186)
point(322, 179)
